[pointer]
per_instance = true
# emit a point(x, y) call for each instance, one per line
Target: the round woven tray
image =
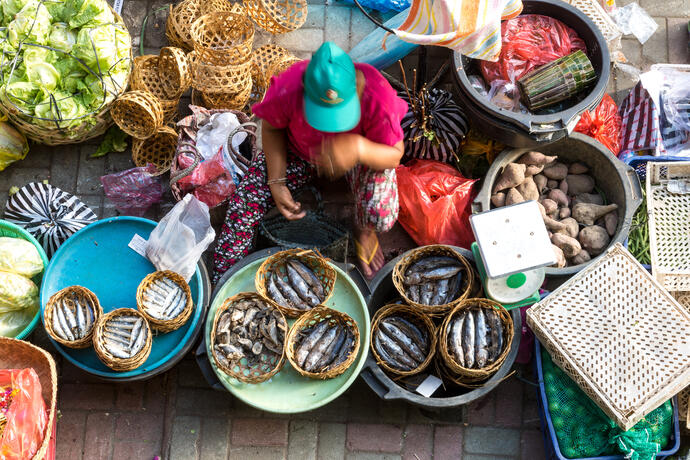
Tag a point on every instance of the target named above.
point(146, 77)
point(226, 101)
point(227, 79)
point(474, 375)
point(276, 263)
point(415, 317)
point(223, 38)
point(174, 72)
point(179, 320)
point(138, 113)
point(179, 22)
point(277, 16)
point(158, 149)
point(118, 364)
point(241, 371)
point(426, 251)
point(311, 318)
point(69, 294)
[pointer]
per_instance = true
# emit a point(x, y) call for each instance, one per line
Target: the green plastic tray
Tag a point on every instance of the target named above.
point(289, 392)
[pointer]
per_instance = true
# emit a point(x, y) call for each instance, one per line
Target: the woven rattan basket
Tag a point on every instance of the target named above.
point(174, 72)
point(241, 371)
point(262, 59)
point(158, 149)
point(464, 374)
point(223, 38)
point(17, 354)
point(118, 364)
point(427, 251)
point(69, 295)
point(618, 334)
point(230, 79)
point(138, 113)
point(226, 101)
point(277, 16)
point(173, 323)
point(417, 318)
point(146, 77)
point(276, 264)
point(179, 22)
point(310, 319)
point(281, 64)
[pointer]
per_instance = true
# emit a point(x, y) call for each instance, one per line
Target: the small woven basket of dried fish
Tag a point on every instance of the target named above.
point(122, 339)
point(433, 278)
point(248, 338)
point(450, 377)
point(296, 280)
point(165, 300)
point(322, 343)
point(70, 316)
point(474, 339)
point(403, 340)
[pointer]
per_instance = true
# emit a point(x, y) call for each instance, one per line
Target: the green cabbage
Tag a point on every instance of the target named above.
point(61, 37)
point(17, 292)
point(14, 322)
point(19, 256)
point(102, 47)
point(11, 7)
point(31, 24)
point(85, 12)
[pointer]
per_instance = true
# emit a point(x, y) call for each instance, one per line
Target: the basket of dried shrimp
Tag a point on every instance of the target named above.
point(248, 338)
point(277, 16)
point(403, 340)
point(122, 339)
point(296, 280)
point(433, 278)
point(165, 300)
point(70, 316)
point(223, 38)
point(323, 343)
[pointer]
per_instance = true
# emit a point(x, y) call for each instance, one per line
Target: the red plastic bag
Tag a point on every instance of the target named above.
point(133, 191)
point(210, 182)
point(529, 41)
point(26, 416)
point(605, 126)
point(435, 203)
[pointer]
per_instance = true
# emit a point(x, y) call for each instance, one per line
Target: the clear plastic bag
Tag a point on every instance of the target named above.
point(133, 191)
point(675, 99)
point(19, 256)
point(181, 237)
point(633, 19)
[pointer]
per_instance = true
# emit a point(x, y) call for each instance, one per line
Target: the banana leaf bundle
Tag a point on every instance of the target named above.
point(557, 81)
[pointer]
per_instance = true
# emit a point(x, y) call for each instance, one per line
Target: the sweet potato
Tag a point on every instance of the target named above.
point(535, 158)
point(512, 176)
point(563, 186)
point(551, 225)
point(587, 214)
point(570, 246)
point(582, 257)
point(552, 184)
point(556, 171)
point(533, 170)
point(579, 183)
point(541, 181)
point(513, 197)
point(498, 199)
point(528, 189)
point(594, 239)
point(549, 205)
point(571, 227)
point(560, 257)
point(559, 197)
point(611, 222)
point(593, 198)
point(564, 213)
point(578, 168)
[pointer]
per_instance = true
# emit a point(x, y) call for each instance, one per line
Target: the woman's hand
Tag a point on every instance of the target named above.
point(339, 154)
point(288, 207)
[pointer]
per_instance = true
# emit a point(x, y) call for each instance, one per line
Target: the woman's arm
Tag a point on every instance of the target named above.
point(380, 156)
point(342, 152)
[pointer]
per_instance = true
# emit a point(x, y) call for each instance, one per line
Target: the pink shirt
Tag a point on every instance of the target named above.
point(283, 108)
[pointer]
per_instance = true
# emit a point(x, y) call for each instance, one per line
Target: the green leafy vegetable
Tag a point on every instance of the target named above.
point(31, 24)
point(115, 140)
point(62, 37)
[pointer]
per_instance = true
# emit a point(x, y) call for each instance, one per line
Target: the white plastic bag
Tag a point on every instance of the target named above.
point(181, 237)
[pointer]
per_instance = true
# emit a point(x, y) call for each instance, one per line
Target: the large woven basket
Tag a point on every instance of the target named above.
point(17, 354)
point(223, 38)
point(146, 76)
point(173, 323)
point(180, 19)
point(158, 149)
point(138, 113)
point(174, 72)
point(84, 296)
point(231, 78)
point(276, 264)
point(226, 101)
point(277, 16)
point(310, 319)
point(106, 357)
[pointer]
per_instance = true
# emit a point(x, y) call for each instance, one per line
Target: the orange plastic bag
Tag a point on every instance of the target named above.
point(435, 203)
point(26, 416)
point(605, 126)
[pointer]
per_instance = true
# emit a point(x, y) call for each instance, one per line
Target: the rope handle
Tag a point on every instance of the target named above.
point(186, 147)
point(236, 156)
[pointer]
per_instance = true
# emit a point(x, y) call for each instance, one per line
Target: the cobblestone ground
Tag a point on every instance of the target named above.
point(178, 416)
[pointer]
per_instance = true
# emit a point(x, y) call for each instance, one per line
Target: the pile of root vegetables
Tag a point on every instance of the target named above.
point(580, 225)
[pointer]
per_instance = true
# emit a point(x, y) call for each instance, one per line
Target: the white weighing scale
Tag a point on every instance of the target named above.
point(511, 250)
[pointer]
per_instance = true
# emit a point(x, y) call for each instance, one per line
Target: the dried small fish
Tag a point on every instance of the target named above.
point(440, 292)
point(427, 293)
point(310, 277)
point(289, 293)
point(413, 293)
point(411, 330)
point(164, 299)
point(124, 336)
point(475, 337)
point(316, 354)
point(409, 347)
point(309, 341)
point(432, 275)
point(396, 352)
point(301, 287)
point(496, 331)
point(429, 263)
point(455, 339)
point(468, 339)
point(480, 334)
point(274, 293)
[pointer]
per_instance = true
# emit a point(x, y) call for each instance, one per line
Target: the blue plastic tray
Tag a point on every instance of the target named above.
point(98, 258)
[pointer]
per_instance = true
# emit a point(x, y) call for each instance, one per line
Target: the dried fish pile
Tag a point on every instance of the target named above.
point(400, 343)
point(323, 346)
point(163, 299)
point(249, 329)
point(475, 337)
point(124, 336)
point(72, 318)
point(434, 280)
point(303, 290)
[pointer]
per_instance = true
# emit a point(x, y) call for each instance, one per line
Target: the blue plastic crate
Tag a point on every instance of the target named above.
point(551, 447)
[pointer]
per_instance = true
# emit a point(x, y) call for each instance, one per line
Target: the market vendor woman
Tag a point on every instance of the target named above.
point(329, 117)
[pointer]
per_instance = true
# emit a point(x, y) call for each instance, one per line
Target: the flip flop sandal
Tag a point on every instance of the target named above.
point(362, 256)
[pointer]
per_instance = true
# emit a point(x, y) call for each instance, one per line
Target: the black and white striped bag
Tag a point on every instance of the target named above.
point(51, 215)
point(446, 128)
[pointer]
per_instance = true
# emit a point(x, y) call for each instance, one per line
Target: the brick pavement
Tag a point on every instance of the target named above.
point(176, 415)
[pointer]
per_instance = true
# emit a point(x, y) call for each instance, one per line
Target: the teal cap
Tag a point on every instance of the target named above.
point(331, 103)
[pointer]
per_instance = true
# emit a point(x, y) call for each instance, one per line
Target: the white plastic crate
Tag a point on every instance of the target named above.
point(622, 337)
point(608, 28)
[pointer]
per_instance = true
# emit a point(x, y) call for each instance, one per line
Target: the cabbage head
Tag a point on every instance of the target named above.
point(14, 322)
point(61, 37)
point(111, 44)
point(39, 67)
point(72, 73)
point(11, 7)
point(17, 292)
point(19, 256)
point(32, 24)
point(80, 13)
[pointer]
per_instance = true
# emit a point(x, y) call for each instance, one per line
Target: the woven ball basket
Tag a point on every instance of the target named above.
point(223, 38)
point(173, 323)
point(422, 321)
point(158, 149)
point(277, 16)
point(18, 354)
point(242, 371)
point(427, 251)
point(118, 364)
point(310, 319)
point(281, 64)
point(174, 72)
point(69, 294)
point(138, 113)
point(230, 79)
point(146, 77)
point(463, 373)
point(276, 263)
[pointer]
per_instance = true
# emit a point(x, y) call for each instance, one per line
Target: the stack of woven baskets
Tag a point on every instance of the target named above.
point(148, 110)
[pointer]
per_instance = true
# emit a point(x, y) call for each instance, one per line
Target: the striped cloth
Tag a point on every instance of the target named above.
point(470, 27)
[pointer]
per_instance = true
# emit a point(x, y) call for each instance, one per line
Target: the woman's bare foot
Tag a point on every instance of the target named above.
point(369, 254)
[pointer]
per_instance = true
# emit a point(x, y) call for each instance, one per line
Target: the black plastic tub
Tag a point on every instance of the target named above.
point(529, 130)
point(382, 292)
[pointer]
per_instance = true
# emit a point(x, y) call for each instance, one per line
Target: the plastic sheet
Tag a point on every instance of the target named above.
point(675, 99)
point(632, 19)
point(435, 203)
point(383, 5)
point(604, 125)
point(529, 41)
point(210, 182)
point(26, 415)
point(133, 191)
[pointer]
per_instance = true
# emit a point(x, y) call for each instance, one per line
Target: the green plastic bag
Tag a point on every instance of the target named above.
point(583, 430)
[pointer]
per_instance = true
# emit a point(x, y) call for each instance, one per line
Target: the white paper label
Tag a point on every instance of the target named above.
point(138, 245)
point(429, 385)
point(117, 6)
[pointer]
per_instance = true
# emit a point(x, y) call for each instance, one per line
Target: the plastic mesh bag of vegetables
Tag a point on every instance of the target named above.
point(583, 430)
